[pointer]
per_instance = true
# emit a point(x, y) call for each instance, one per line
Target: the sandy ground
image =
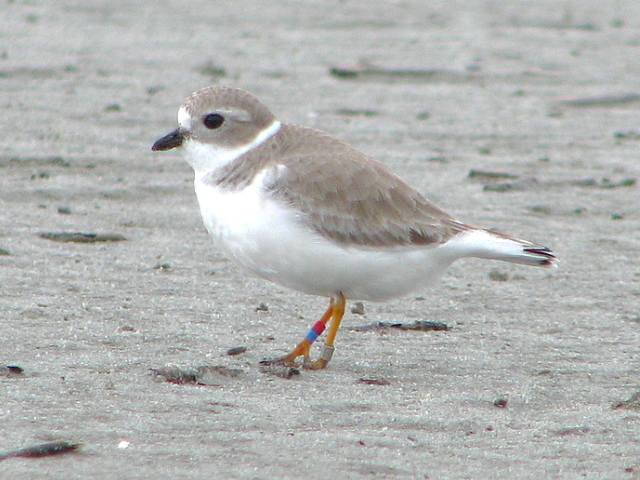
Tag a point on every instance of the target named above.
point(86, 87)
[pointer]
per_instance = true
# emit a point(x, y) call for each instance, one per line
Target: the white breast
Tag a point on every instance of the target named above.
point(270, 240)
point(243, 223)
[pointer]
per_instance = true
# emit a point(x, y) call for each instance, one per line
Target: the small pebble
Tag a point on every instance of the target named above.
point(64, 210)
point(236, 351)
point(500, 402)
point(209, 69)
point(357, 308)
point(40, 175)
point(153, 89)
point(542, 209)
point(627, 135)
point(263, 307)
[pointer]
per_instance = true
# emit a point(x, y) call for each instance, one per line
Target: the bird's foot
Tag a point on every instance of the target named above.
point(289, 360)
point(320, 363)
point(334, 314)
point(302, 350)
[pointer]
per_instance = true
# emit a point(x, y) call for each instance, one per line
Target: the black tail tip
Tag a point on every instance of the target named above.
point(544, 254)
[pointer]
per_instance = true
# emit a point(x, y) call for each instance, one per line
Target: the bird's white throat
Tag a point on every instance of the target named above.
point(207, 157)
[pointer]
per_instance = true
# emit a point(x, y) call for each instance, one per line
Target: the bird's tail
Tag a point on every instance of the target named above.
point(494, 245)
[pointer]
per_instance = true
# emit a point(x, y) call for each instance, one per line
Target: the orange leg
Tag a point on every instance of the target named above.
point(327, 350)
point(334, 315)
point(304, 347)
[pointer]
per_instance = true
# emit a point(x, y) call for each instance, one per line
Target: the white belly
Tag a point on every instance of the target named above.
point(270, 241)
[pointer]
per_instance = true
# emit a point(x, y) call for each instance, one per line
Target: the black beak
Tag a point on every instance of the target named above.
point(169, 141)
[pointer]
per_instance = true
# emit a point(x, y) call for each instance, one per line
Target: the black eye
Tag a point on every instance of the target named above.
point(213, 120)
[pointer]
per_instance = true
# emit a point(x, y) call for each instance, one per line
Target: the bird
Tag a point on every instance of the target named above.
point(299, 207)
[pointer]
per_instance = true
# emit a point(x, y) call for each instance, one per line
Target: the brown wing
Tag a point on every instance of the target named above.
point(354, 200)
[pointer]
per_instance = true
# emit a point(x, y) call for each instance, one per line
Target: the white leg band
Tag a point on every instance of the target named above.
point(327, 353)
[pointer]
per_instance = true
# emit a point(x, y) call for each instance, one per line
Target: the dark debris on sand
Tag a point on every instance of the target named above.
point(11, 371)
point(602, 101)
point(81, 237)
point(42, 450)
point(211, 375)
point(632, 403)
point(364, 70)
point(276, 369)
point(373, 381)
point(418, 325)
point(488, 175)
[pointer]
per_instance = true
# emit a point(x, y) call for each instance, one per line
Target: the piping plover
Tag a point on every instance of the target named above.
point(305, 210)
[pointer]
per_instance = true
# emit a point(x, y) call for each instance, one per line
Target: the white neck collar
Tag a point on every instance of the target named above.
point(205, 158)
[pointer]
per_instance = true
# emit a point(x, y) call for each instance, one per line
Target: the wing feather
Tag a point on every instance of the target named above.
point(354, 200)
